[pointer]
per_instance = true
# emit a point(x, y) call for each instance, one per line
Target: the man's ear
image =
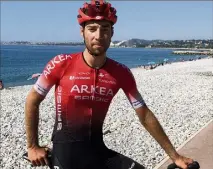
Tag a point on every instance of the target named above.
point(82, 31)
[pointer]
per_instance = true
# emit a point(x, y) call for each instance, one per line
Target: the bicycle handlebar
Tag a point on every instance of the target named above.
point(193, 165)
point(49, 155)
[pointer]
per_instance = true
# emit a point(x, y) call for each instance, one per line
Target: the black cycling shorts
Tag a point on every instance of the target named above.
point(81, 155)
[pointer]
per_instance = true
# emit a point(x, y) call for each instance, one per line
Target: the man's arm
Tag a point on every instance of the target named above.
point(32, 117)
point(149, 121)
point(151, 124)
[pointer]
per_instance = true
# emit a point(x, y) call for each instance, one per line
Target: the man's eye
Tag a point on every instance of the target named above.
point(92, 30)
point(105, 29)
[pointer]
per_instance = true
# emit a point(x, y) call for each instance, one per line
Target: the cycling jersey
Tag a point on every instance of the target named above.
point(83, 94)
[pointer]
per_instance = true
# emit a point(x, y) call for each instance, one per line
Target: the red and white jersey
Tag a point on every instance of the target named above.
point(82, 93)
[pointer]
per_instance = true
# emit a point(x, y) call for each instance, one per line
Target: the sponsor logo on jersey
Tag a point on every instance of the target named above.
point(59, 109)
point(94, 98)
point(56, 60)
point(79, 78)
point(84, 73)
point(106, 81)
point(101, 75)
point(137, 101)
point(90, 89)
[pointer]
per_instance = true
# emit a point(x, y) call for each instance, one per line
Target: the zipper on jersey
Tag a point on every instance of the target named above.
point(95, 80)
point(95, 73)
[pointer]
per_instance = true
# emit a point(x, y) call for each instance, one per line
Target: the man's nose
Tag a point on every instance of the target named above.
point(99, 34)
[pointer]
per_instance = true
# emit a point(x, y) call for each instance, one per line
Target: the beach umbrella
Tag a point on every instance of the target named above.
point(151, 63)
point(165, 59)
point(34, 76)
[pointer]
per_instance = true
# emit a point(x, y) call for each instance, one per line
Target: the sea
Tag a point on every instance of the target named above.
point(19, 62)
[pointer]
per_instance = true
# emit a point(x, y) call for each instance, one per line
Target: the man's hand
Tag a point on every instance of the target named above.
point(38, 156)
point(182, 161)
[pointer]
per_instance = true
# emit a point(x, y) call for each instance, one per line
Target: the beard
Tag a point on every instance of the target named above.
point(96, 50)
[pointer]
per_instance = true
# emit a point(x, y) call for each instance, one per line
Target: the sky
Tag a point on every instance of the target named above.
point(56, 21)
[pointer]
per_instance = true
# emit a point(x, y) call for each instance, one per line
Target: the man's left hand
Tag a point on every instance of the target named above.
point(183, 162)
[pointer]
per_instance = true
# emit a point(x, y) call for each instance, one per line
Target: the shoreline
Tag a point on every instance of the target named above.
point(169, 63)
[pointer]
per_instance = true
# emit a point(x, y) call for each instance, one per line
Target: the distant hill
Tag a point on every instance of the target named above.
point(131, 43)
point(134, 42)
point(164, 43)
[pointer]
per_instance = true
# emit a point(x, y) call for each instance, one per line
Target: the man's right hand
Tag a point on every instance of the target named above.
point(38, 156)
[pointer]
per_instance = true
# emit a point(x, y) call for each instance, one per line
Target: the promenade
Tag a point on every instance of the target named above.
point(199, 147)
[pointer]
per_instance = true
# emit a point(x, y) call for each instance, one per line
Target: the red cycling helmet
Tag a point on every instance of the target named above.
point(97, 10)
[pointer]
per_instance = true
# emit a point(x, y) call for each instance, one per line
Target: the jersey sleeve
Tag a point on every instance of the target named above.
point(51, 74)
point(130, 89)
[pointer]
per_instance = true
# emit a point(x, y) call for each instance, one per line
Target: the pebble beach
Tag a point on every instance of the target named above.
point(179, 94)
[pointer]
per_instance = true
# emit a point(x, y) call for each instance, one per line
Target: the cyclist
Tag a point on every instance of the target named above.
point(85, 84)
